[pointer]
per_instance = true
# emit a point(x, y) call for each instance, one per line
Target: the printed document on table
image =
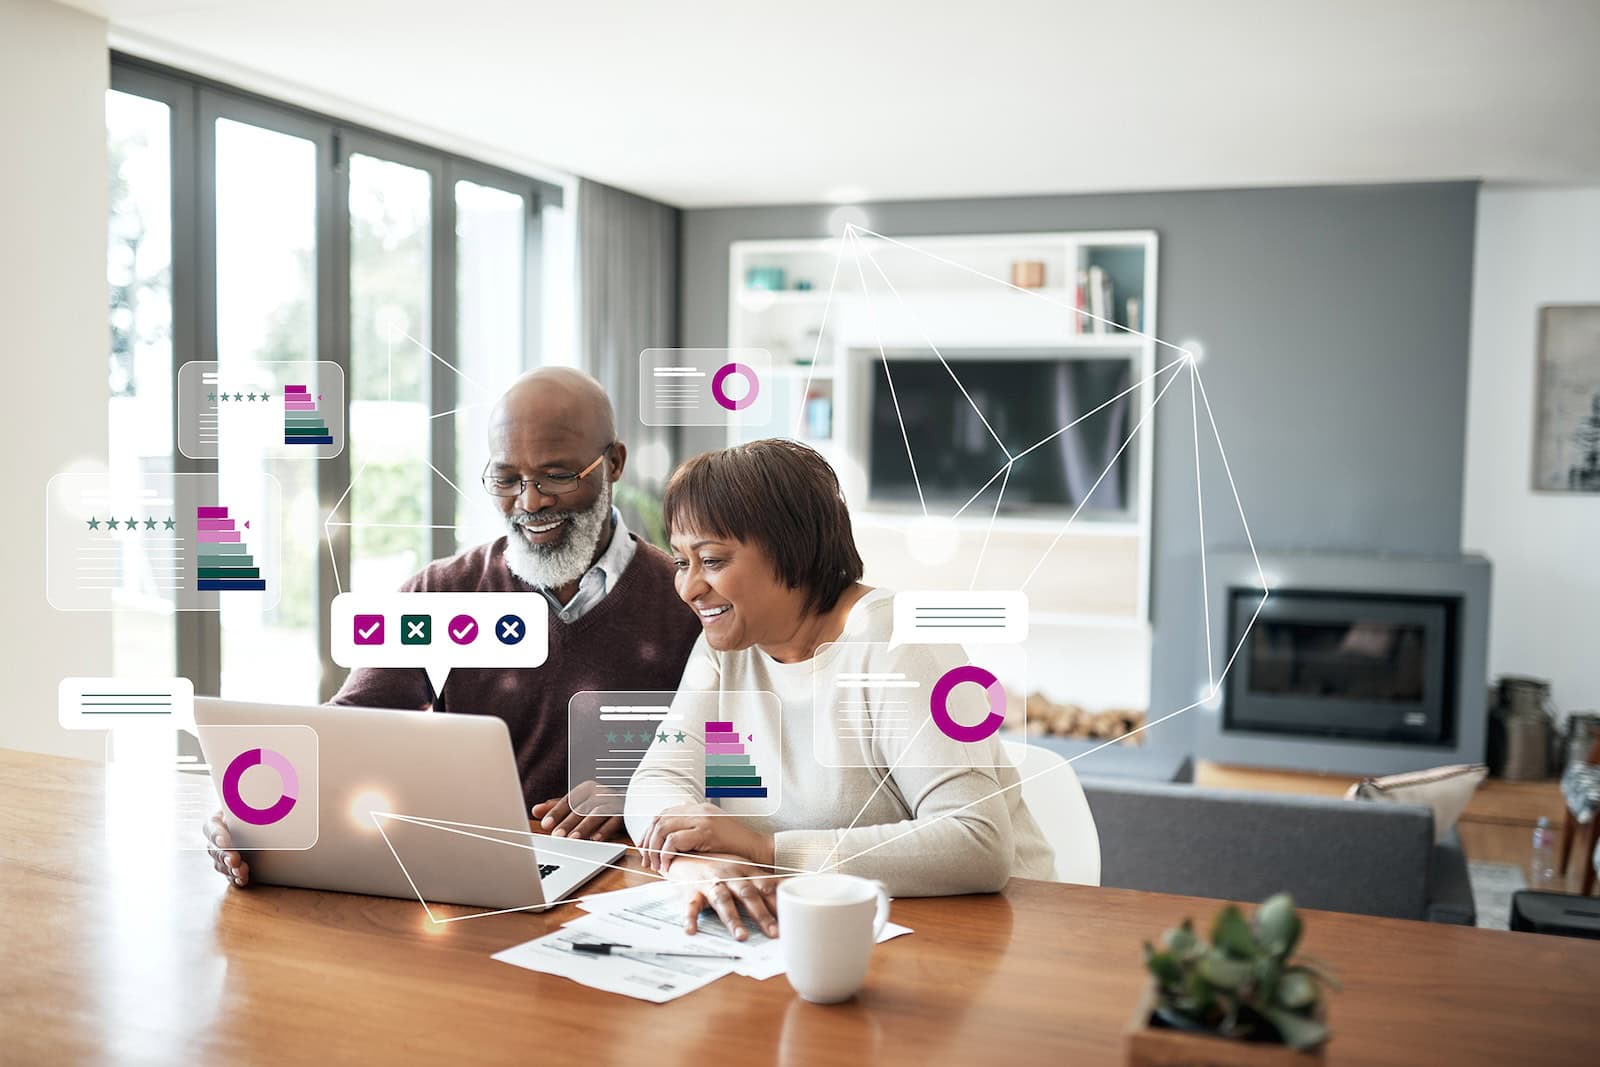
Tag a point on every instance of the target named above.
point(657, 979)
point(636, 917)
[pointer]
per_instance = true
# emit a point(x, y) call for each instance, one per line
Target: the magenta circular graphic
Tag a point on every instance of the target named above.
point(941, 714)
point(249, 813)
point(721, 397)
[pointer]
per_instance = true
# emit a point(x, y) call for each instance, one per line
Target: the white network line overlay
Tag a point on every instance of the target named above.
point(853, 246)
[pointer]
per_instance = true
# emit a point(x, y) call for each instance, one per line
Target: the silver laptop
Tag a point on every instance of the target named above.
point(406, 804)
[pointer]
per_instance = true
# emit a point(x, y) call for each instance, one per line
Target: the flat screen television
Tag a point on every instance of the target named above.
point(1024, 401)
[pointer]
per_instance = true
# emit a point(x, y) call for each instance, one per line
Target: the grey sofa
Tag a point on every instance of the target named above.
point(1338, 855)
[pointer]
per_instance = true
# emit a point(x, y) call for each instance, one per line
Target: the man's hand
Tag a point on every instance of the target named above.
point(220, 845)
point(726, 885)
point(560, 817)
point(702, 828)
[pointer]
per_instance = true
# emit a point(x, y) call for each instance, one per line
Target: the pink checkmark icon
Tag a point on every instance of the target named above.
point(368, 629)
point(463, 628)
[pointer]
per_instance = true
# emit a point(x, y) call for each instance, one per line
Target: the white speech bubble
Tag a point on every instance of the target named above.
point(462, 630)
point(125, 704)
point(998, 617)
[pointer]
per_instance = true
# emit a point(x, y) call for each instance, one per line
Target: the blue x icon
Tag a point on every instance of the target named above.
point(510, 629)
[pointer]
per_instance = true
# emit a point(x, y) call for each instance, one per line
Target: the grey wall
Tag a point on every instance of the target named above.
point(1335, 324)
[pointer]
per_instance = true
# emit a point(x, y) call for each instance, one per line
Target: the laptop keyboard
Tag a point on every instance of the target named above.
point(547, 869)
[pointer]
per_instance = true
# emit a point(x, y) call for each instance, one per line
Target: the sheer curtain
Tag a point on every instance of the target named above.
point(627, 262)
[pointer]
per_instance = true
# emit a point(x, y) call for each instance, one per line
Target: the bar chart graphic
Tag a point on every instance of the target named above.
point(302, 422)
point(730, 772)
point(285, 409)
point(225, 560)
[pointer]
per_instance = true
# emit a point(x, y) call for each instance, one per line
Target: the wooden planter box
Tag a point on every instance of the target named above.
point(1160, 1046)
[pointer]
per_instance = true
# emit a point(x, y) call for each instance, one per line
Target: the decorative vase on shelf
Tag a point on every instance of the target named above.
point(766, 279)
point(1027, 274)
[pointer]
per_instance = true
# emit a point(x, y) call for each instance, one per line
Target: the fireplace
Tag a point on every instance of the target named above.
point(1325, 663)
point(1356, 664)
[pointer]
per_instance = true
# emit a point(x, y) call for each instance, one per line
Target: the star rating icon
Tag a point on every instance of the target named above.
point(131, 524)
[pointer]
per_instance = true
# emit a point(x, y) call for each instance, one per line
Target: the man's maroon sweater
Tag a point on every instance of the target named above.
point(637, 637)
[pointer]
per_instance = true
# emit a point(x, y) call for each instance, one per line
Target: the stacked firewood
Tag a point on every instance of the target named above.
point(1046, 717)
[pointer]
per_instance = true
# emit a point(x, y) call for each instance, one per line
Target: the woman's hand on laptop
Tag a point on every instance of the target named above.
point(223, 856)
point(702, 828)
point(561, 817)
point(728, 885)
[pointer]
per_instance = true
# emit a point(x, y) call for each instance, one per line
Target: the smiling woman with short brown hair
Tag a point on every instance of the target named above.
point(777, 494)
point(765, 554)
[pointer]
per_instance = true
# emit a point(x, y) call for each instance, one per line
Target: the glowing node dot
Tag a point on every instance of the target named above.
point(933, 539)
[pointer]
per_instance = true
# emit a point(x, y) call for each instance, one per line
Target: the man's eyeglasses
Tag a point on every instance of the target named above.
point(511, 485)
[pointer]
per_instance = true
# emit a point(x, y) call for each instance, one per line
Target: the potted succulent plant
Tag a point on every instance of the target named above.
point(1240, 1000)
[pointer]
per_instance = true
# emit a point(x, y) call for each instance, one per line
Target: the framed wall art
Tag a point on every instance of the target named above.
point(1566, 425)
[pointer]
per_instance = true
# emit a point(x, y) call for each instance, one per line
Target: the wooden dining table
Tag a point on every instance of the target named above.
point(151, 957)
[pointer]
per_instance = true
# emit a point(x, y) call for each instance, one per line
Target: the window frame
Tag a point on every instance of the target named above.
point(195, 104)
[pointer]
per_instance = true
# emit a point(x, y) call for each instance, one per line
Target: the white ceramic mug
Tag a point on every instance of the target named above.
point(827, 926)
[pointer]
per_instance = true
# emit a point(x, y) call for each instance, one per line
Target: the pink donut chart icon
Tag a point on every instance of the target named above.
point(720, 395)
point(246, 812)
point(941, 713)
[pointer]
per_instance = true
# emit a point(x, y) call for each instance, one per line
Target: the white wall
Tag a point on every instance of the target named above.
point(1534, 246)
point(53, 328)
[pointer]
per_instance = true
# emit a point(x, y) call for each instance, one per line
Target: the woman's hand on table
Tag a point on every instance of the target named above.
point(702, 828)
point(728, 885)
point(227, 861)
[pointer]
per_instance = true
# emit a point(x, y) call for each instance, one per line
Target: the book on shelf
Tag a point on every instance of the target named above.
point(1100, 301)
point(818, 413)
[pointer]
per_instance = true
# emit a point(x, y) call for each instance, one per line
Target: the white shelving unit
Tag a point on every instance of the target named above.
point(915, 295)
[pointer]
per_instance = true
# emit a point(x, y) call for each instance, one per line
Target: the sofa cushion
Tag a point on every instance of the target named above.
point(1447, 790)
point(1372, 859)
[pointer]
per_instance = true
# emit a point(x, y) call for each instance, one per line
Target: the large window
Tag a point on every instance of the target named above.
point(491, 331)
point(266, 255)
point(250, 232)
point(391, 315)
point(139, 275)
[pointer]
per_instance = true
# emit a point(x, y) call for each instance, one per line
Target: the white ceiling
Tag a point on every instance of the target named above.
point(761, 102)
